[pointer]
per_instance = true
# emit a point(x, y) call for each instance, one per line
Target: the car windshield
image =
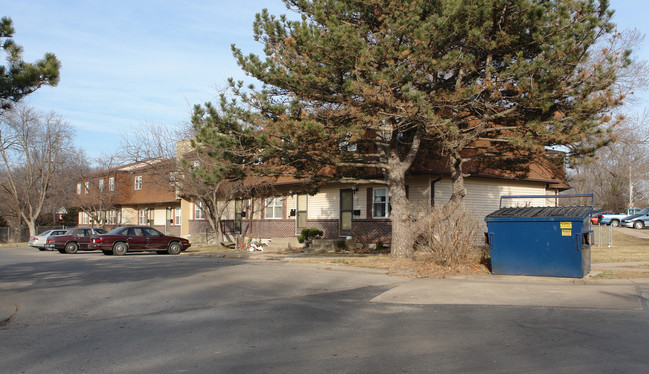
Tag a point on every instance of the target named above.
point(69, 232)
point(643, 211)
point(100, 231)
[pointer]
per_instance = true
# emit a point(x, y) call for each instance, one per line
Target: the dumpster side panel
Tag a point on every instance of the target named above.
point(545, 247)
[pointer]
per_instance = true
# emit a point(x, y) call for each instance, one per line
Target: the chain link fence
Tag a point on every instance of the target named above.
point(21, 234)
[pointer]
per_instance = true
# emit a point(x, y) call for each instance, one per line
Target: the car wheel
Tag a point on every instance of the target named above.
point(120, 249)
point(615, 223)
point(638, 225)
point(174, 248)
point(71, 248)
point(107, 252)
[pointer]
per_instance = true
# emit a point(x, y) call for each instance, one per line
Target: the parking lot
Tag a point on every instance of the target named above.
point(153, 313)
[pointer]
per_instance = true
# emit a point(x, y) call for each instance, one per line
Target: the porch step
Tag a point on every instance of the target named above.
point(278, 244)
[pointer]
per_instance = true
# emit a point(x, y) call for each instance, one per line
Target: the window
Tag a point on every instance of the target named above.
point(78, 188)
point(172, 178)
point(380, 203)
point(85, 218)
point(138, 183)
point(196, 164)
point(177, 216)
point(142, 217)
point(87, 187)
point(112, 216)
point(273, 207)
point(101, 185)
point(111, 184)
point(199, 212)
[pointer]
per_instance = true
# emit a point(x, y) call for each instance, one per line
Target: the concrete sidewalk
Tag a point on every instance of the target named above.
point(523, 291)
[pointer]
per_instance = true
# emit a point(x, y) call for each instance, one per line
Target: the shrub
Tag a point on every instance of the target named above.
point(341, 245)
point(449, 236)
point(308, 234)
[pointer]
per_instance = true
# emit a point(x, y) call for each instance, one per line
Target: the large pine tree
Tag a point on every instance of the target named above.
point(19, 78)
point(372, 84)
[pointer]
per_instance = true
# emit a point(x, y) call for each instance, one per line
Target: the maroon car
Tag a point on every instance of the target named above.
point(138, 238)
point(76, 239)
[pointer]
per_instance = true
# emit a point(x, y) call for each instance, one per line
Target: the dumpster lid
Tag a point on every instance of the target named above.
point(552, 211)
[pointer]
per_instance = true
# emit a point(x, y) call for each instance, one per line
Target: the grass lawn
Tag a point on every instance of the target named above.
point(626, 248)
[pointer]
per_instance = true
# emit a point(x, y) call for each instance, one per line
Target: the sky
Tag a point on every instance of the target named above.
point(129, 63)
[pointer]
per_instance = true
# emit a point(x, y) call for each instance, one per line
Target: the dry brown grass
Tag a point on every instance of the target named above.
point(396, 266)
point(625, 248)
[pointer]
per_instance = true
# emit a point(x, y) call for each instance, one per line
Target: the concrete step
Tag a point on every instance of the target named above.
point(277, 244)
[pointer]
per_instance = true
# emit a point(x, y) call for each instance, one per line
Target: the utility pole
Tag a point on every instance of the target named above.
point(630, 189)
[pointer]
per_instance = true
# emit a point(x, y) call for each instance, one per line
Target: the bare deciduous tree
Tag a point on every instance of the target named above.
point(31, 148)
point(620, 168)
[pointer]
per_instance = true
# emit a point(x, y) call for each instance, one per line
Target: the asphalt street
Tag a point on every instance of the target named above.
point(145, 313)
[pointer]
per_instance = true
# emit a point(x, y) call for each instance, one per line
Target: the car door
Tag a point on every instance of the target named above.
point(156, 239)
point(137, 238)
point(83, 238)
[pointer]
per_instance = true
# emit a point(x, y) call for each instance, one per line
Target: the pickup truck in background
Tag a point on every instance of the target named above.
point(615, 219)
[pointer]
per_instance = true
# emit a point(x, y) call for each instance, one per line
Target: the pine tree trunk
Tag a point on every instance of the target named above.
point(457, 178)
point(402, 245)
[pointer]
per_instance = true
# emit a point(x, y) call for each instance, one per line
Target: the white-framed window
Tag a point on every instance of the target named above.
point(112, 217)
point(111, 184)
point(87, 187)
point(137, 185)
point(177, 216)
point(143, 216)
point(380, 203)
point(78, 188)
point(199, 212)
point(273, 207)
point(85, 218)
point(101, 185)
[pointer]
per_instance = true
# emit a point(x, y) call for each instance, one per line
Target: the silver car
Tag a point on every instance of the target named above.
point(39, 240)
point(637, 221)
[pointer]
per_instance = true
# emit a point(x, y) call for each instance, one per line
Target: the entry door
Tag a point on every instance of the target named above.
point(346, 211)
point(301, 213)
point(238, 209)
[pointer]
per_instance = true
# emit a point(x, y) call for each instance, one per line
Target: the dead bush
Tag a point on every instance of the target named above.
point(449, 237)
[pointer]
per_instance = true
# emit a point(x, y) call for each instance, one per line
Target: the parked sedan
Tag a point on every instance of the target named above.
point(76, 239)
point(40, 240)
point(637, 221)
point(138, 238)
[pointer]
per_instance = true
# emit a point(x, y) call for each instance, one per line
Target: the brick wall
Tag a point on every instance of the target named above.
point(371, 230)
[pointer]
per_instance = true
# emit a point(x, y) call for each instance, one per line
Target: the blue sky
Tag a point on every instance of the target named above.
point(126, 63)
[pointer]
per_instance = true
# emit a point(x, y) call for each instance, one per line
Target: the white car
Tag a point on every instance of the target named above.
point(39, 240)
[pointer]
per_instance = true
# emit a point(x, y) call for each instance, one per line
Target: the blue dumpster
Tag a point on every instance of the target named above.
point(545, 241)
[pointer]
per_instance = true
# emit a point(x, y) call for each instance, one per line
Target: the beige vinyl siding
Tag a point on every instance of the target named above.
point(159, 216)
point(325, 204)
point(129, 216)
point(483, 195)
point(419, 192)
